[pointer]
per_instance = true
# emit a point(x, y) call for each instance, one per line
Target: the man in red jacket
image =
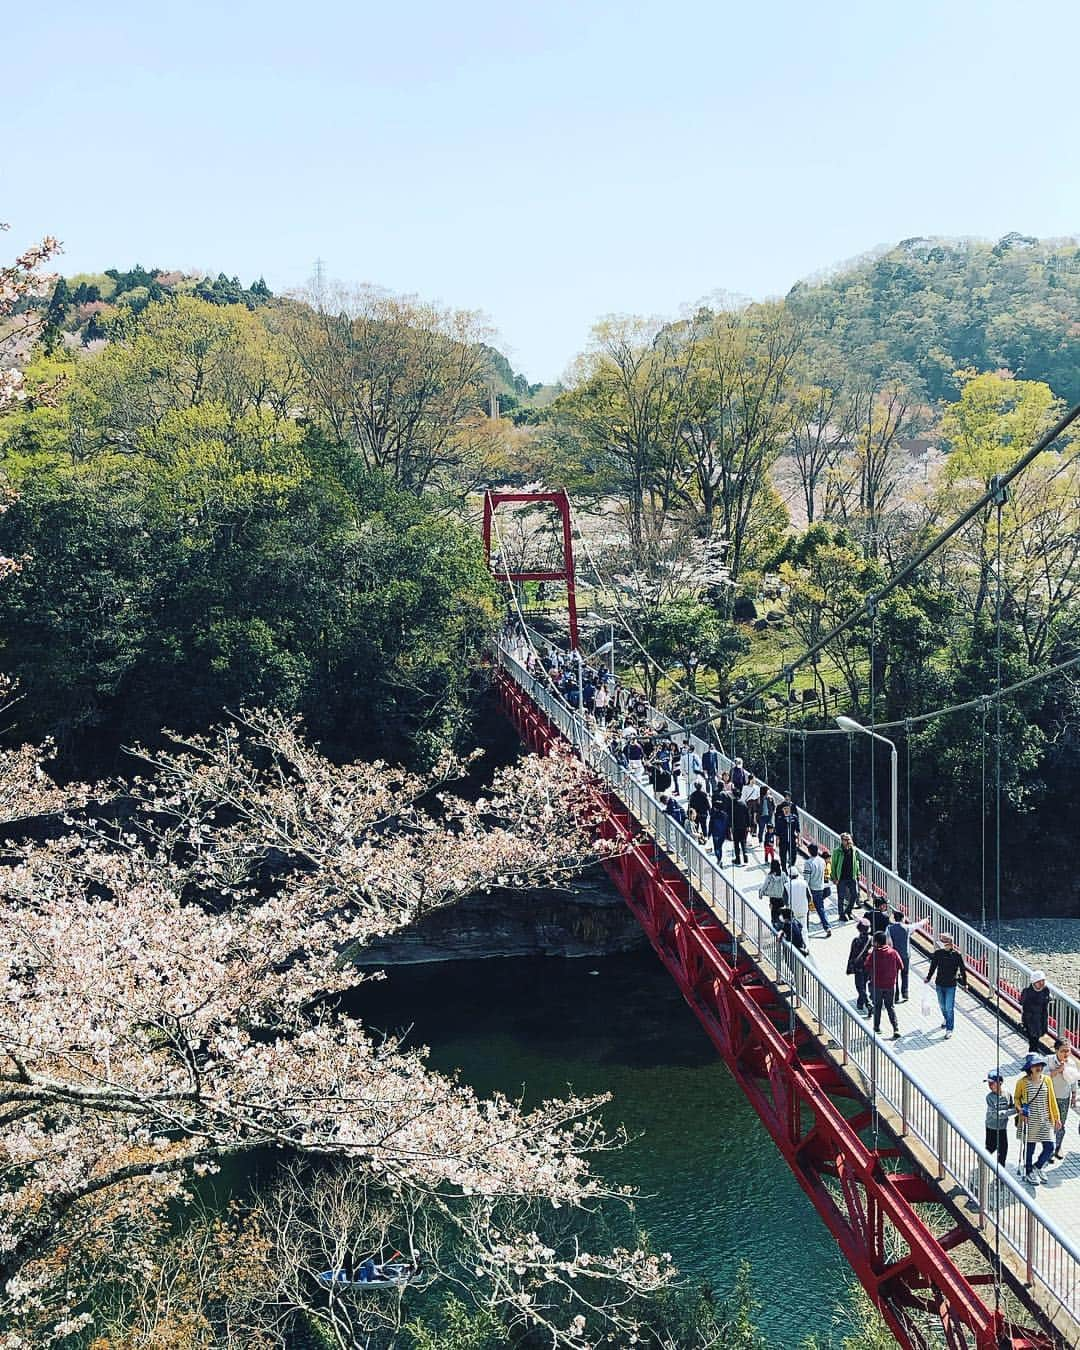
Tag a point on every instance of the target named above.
point(884, 965)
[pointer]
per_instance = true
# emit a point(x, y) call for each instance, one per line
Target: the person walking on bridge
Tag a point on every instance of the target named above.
point(1035, 1010)
point(814, 872)
point(856, 963)
point(999, 1109)
point(798, 894)
point(845, 870)
point(719, 823)
point(884, 966)
point(710, 767)
point(1064, 1075)
point(774, 890)
point(787, 834)
point(1038, 1119)
point(697, 806)
point(900, 931)
point(947, 969)
point(791, 930)
point(765, 813)
point(740, 824)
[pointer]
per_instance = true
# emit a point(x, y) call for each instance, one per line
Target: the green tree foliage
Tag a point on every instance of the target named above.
point(995, 420)
point(687, 633)
point(859, 1326)
point(682, 424)
point(186, 549)
point(401, 385)
point(939, 306)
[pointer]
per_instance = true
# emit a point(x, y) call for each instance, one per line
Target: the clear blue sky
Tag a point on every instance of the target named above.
point(548, 163)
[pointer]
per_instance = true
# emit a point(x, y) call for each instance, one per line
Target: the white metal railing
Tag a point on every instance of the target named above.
point(1050, 1259)
point(1000, 969)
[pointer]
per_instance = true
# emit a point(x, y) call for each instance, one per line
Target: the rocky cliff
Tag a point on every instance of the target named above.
point(590, 920)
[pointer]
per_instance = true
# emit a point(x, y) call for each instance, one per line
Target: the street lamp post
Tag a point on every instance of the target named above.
point(849, 725)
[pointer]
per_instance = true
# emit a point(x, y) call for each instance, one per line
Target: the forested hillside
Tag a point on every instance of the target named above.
point(941, 305)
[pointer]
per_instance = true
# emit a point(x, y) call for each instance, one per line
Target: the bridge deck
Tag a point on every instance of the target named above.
point(952, 1072)
point(932, 1088)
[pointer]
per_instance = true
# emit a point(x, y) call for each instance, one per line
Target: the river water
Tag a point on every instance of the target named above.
point(714, 1189)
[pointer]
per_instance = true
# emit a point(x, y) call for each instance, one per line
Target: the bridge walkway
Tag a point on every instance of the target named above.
point(929, 1090)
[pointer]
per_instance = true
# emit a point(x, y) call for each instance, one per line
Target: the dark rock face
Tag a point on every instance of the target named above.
point(589, 920)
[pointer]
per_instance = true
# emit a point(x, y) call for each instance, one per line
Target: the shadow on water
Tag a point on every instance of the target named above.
point(714, 1189)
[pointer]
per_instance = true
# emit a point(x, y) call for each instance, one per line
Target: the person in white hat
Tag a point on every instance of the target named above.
point(1035, 1010)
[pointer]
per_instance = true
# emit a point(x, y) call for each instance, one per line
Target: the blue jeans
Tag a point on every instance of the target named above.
point(818, 898)
point(1045, 1154)
point(946, 997)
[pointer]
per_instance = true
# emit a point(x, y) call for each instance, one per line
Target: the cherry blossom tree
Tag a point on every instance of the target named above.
point(169, 975)
point(19, 281)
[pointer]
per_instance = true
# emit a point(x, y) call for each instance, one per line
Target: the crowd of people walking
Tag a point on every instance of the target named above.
point(721, 806)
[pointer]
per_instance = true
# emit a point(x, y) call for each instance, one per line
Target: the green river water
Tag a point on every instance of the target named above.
point(714, 1188)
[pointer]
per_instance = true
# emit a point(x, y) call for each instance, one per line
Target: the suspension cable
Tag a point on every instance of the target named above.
point(872, 610)
point(850, 783)
point(982, 818)
point(937, 712)
point(1000, 497)
point(907, 744)
point(965, 517)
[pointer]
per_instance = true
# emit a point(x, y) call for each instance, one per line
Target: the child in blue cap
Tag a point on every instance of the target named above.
point(999, 1110)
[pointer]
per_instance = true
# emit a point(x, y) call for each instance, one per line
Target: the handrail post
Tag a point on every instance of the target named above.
point(905, 1105)
point(942, 1127)
point(984, 1192)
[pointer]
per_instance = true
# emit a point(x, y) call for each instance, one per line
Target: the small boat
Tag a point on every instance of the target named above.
point(372, 1275)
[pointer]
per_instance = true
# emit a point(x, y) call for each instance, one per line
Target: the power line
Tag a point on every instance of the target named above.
point(926, 717)
point(989, 498)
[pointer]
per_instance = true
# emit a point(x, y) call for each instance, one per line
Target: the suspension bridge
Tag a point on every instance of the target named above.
point(885, 1139)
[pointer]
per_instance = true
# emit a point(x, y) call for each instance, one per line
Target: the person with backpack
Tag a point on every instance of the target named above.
point(791, 931)
point(738, 777)
point(710, 767)
point(773, 889)
point(856, 964)
point(883, 967)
